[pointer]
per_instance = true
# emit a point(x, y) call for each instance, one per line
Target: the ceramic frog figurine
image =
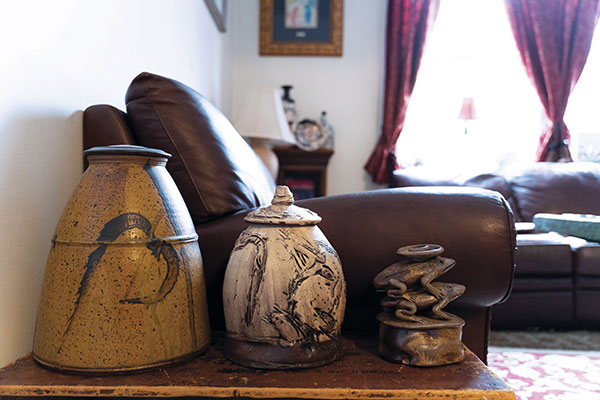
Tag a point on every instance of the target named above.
point(409, 288)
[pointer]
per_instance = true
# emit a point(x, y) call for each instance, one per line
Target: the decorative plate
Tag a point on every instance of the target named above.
point(309, 135)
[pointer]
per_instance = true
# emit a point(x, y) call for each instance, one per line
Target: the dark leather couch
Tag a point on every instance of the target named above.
point(557, 278)
point(221, 180)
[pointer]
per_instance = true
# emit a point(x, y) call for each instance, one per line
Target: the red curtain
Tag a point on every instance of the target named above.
point(408, 22)
point(554, 38)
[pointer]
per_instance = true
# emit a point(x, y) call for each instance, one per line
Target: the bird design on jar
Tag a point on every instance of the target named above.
point(309, 311)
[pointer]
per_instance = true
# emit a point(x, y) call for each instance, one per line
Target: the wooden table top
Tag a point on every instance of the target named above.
point(359, 374)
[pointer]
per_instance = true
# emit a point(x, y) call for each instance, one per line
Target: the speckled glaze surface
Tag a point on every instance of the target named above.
point(284, 292)
point(124, 283)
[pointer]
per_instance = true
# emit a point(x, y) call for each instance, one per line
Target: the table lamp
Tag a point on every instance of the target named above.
point(262, 121)
point(467, 112)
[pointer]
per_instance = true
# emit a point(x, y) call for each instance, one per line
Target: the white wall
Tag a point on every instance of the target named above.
point(57, 58)
point(347, 87)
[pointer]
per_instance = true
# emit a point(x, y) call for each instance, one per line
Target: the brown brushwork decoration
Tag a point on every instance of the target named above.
point(296, 28)
point(124, 287)
point(413, 329)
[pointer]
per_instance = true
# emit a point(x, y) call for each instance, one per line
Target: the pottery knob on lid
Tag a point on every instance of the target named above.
point(282, 211)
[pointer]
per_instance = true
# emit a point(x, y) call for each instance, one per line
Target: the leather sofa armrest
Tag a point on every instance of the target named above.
point(475, 226)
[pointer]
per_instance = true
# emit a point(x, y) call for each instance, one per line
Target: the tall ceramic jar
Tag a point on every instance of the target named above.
point(124, 283)
point(284, 292)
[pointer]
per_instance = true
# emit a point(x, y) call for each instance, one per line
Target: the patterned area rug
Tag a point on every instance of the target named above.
point(555, 340)
point(537, 366)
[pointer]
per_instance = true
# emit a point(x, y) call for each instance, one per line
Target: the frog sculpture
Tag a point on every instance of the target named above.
point(414, 329)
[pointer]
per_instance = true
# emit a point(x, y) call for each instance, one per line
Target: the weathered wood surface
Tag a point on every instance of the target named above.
point(359, 374)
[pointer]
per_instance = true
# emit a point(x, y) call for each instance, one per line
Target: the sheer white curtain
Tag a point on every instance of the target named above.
point(471, 53)
point(583, 112)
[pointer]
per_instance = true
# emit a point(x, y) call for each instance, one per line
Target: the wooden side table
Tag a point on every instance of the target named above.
point(359, 374)
point(304, 172)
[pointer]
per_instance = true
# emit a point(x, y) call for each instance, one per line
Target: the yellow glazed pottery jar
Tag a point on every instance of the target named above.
point(284, 293)
point(124, 283)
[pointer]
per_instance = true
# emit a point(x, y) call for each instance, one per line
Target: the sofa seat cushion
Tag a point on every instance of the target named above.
point(212, 165)
point(586, 309)
point(543, 254)
point(546, 309)
point(586, 282)
point(556, 188)
point(540, 284)
point(587, 257)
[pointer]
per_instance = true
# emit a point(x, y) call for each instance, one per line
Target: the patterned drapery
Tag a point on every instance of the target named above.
point(554, 38)
point(408, 22)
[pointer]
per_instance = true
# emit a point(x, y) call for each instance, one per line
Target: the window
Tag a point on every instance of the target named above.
point(471, 52)
point(583, 112)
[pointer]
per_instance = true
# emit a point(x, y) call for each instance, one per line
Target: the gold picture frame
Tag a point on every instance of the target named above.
point(321, 35)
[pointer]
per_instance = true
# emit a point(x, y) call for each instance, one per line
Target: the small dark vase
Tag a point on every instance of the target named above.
point(289, 107)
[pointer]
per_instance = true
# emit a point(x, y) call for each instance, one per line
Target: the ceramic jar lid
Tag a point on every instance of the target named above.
point(126, 150)
point(282, 211)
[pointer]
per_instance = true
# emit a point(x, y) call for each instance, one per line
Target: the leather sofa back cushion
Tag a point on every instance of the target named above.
point(212, 165)
point(497, 182)
point(557, 188)
point(420, 176)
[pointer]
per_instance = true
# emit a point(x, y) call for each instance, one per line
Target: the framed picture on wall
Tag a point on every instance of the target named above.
point(301, 27)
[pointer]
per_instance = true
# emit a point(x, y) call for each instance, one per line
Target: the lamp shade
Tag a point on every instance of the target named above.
point(467, 112)
point(262, 117)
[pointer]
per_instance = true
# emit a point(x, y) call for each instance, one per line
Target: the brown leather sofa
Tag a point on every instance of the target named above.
point(557, 278)
point(221, 180)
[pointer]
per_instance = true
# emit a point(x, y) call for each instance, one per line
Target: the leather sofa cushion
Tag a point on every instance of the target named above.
point(557, 188)
point(587, 282)
point(491, 181)
point(586, 309)
point(587, 258)
point(540, 284)
point(212, 165)
point(551, 309)
point(422, 176)
point(497, 182)
point(543, 254)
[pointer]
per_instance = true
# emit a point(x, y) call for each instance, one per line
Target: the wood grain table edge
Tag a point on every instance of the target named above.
point(15, 385)
point(253, 392)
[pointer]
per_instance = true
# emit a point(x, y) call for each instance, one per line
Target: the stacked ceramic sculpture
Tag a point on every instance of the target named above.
point(413, 328)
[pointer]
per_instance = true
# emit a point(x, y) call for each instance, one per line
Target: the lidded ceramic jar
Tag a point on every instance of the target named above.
point(284, 292)
point(124, 282)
